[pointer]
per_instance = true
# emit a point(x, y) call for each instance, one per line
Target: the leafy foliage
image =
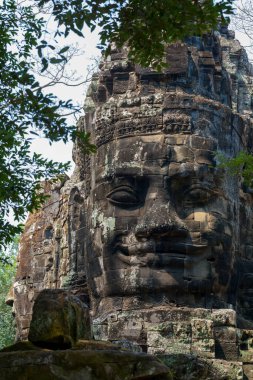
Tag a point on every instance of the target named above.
point(145, 25)
point(26, 111)
point(7, 272)
point(241, 165)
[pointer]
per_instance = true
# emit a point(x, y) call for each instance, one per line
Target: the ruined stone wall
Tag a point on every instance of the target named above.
point(50, 254)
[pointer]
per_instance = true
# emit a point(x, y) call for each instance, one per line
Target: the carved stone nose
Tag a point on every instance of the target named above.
point(158, 231)
point(161, 221)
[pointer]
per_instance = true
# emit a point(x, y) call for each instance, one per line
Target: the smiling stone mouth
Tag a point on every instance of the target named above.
point(159, 248)
point(173, 255)
point(152, 260)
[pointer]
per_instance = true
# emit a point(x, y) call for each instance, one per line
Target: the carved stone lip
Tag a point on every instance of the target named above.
point(172, 256)
point(152, 260)
point(160, 247)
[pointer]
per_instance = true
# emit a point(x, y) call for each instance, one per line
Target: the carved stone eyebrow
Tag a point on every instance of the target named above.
point(130, 170)
point(190, 170)
point(181, 173)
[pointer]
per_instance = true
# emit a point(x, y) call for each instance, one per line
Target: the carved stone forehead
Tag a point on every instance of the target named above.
point(156, 166)
point(196, 94)
point(167, 114)
point(153, 154)
point(193, 103)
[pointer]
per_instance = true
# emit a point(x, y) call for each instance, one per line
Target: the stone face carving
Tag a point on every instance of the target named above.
point(163, 220)
point(150, 229)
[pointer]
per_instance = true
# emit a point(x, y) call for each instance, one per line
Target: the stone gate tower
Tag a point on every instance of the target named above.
point(150, 231)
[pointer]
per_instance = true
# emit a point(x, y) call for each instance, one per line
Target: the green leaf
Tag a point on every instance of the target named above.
point(56, 60)
point(63, 50)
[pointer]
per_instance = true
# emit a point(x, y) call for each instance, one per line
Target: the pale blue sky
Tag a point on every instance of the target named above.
point(60, 151)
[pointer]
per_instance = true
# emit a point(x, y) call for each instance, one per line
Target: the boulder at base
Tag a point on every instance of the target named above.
point(59, 320)
point(98, 360)
point(81, 365)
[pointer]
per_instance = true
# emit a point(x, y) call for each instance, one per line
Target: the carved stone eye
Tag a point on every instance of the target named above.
point(123, 196)
point(197, 195)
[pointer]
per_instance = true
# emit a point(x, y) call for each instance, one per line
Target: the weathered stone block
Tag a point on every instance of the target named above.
point(59, 320)
point(207, 61)
point(77, 364)
point(204, 157)
point(181, 154)
point(202, 337)
point(204, 347)
point(100, 331)
point(177, 58)
point(182, 366)
point(199, 142)
point(159, 345)
point(226, 350)
point(248, 371)
point(225, 334)
point(131, 329)
point(224, 317)
point(246, 345)
point(177, 140)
